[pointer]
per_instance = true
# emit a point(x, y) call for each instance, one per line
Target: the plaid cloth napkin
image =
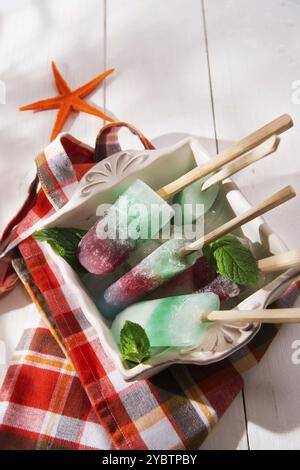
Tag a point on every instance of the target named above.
point(61, 390)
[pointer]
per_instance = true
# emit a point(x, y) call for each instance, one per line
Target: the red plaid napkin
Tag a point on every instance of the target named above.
point(78, 400)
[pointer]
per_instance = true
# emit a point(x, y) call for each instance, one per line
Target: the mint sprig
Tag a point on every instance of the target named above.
point(134, 343)
point(234, 261)
point(64, 242)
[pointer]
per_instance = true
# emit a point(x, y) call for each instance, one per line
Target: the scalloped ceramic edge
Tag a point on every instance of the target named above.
point(158, 168)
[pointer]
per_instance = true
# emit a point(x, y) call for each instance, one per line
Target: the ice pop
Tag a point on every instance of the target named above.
point(109, 242)
point(195, 202)
point(224, 288)
point(170, 322)
point(161, 265)
point(172, 258)
point(200, 277)
point(101, 256)
point(198, 198)
point(248, 143)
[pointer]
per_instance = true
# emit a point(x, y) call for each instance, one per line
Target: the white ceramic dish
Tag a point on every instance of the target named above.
point(157, 168)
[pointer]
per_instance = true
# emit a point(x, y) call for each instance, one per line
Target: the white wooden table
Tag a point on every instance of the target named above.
point(217, 69)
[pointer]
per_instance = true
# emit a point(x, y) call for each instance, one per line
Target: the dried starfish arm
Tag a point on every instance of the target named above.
point(61, 83)
point(61, 118)
point(51, 103)
point(88, 87)
point(79, 105)
point(69, 100)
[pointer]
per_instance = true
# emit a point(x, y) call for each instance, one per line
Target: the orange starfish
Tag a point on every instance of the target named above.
point(69, 100)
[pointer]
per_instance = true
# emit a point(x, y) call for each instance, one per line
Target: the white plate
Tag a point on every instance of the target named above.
point(157, 168)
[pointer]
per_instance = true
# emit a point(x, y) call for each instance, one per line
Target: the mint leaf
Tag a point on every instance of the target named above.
point(230, 258)
point(134, 343)
point(64, 242)
point(228, 239)
point(208, 250)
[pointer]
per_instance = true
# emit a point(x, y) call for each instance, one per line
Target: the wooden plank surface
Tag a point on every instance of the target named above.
point(254, 57)
point(162, 86)
point(210, 69)
point(230, 433)
point(32, 34)
point(161, 83)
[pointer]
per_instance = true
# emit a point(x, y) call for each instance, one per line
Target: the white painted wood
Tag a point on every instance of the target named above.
point(229, 434)
point(161, 85)
point(272, 396)
point(161, 82)
point(254, 58)
point(32, 34)
point(16, 313)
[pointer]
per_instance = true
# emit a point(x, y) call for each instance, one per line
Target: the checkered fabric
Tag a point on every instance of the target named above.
point(78, 400)
point(43, 404)
point(107, 142)
point(58, 175)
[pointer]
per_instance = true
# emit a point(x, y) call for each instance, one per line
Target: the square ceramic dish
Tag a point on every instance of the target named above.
point(157, 168)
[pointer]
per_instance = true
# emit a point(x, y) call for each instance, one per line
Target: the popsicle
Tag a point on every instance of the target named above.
point(172, 258)
point(181, 321)
point(169, 322)
point(161, 265)
point(224, 288)
point(101, 255)
point(194, 202)
point(109, 242)
point(200, 277)
point(198, 198)
point(275, 127)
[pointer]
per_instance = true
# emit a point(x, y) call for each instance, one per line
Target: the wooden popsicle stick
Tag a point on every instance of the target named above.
point(270, 203)
point(277, 126)
point(287, 260)
point(280, 315)
point(266, 148)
